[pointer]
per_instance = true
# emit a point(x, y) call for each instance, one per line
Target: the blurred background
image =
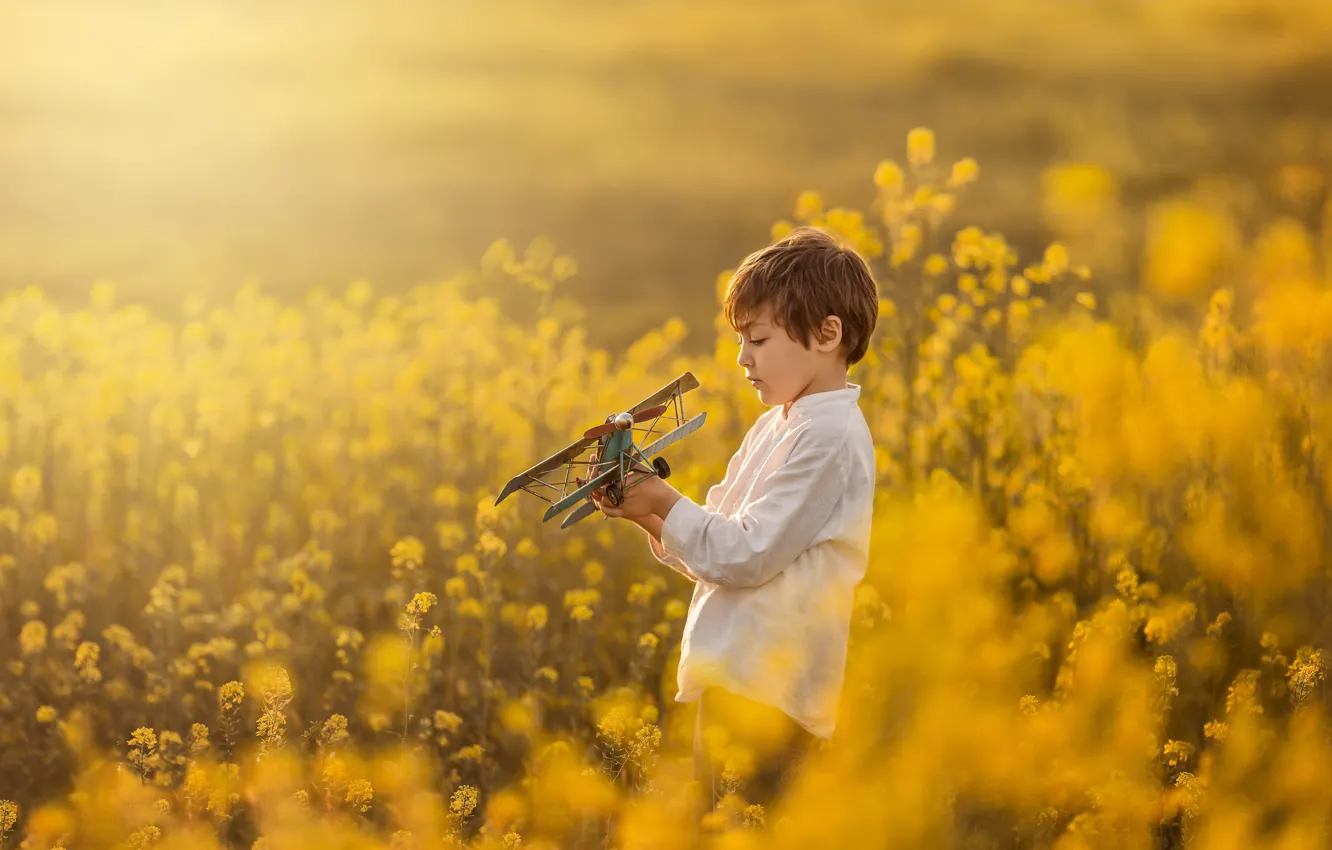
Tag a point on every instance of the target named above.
point(1098, 611)
point(187, 148)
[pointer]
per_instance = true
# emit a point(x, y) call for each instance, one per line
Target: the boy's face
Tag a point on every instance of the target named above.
point(778, 366)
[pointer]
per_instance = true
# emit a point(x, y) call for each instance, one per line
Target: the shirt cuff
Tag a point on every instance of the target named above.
point(681, 527)
point(659, 552)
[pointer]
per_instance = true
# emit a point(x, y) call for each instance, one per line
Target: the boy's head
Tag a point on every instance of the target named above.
point(805, 308)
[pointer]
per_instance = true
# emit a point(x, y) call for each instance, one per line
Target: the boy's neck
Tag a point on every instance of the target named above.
point(829, 383)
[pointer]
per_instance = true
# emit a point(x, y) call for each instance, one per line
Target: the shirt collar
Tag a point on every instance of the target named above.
point(807, 404)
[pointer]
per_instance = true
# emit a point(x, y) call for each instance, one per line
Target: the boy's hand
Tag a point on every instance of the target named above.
point(648, 495)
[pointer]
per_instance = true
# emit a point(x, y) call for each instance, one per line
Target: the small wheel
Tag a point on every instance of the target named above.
point(663, 468)
point(614, 494)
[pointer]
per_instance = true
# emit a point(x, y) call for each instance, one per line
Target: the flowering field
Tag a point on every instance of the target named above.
point(254, 591)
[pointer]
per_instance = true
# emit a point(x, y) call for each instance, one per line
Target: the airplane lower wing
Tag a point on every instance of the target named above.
point(581, 512)
point(581, 493)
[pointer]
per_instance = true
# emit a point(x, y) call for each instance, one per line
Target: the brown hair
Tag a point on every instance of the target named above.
point(806, 277)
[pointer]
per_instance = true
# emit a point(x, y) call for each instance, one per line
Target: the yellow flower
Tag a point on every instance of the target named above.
point(755, 816)
point(527, 548)
point(359, 293)
point(456, 587)
point(942, 204)
point(359, 794)
point(473, 753)
point(1177, 752)
point(463, 802)
point(40, 530)
point(143, 739)
point(421, 603)
point(85, 661)
point(46, 714)
point(593, 572)
point(581, 613)
point(451, 534)
point(564, 268)
point(641, 593)
point(26, 484)
point(935, 265)
point(648, 641)
point(1056, 259)
point(920, 146)
point(536, 617)
point(1242, 695)
point(32, 637)
point(1305, 673)
point(809, 206)
point(447, 720)
point(1187, 244)
point(1086, 299)
point(492, 544)
point(272, 725)
point(581, 596)
point(964, 171)
point(230, 695)
point(888, 175)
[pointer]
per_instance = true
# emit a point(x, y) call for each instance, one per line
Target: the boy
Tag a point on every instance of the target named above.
point(784, 538)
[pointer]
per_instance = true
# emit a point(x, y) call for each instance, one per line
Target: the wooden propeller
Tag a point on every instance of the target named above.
point(599, 431)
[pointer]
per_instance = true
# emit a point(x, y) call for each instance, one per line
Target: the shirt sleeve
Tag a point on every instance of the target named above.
point(715, 494)
point(670, 560)
point(763, 538)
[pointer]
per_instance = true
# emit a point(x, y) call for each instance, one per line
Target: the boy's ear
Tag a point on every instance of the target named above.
point(830, 333)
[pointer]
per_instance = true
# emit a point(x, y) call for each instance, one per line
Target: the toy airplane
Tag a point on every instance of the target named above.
point(616, 454)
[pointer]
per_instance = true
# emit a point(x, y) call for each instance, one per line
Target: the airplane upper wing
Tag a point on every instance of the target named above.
point(682, 384)
point(667, 404)
point(533, 477)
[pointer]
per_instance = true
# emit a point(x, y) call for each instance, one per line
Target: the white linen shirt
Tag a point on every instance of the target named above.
point(775, 556)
